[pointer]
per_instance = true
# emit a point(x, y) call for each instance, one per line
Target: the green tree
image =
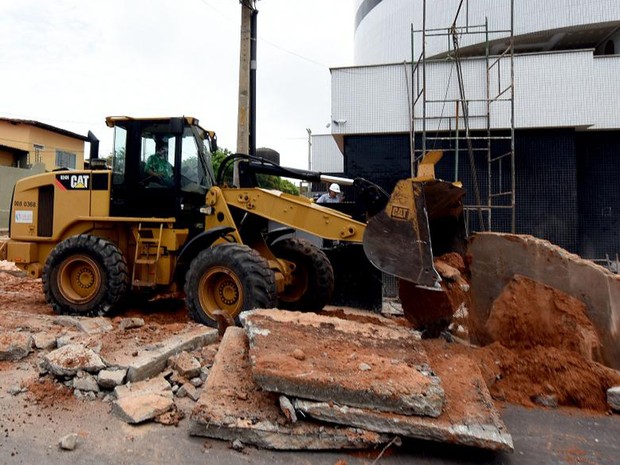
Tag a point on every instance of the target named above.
point(266, 181)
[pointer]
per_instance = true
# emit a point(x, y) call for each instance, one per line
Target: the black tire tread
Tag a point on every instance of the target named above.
point(115, 274)
point(252, 268)
point(321, 274)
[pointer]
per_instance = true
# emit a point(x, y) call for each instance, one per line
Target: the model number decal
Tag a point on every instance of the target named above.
point(74, 181)
point(25, 203)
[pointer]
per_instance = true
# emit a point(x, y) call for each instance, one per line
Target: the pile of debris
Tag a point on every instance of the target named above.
point(292, 380)
point(543, 324)
point(140, 369)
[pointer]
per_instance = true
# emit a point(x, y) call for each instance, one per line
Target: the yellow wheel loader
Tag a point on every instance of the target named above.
point(155, 218)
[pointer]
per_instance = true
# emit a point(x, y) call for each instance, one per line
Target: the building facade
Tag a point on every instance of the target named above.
point(29, 147)
point(564, 113)
point(24, 143)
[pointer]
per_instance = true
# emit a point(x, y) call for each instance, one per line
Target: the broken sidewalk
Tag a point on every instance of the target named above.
point(337, 363)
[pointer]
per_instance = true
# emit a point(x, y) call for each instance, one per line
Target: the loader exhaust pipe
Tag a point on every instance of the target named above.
point(94, 145)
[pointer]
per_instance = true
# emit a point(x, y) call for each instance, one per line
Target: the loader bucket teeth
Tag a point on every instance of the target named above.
point(397, 239)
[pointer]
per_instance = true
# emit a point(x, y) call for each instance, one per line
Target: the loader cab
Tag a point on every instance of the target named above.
point(161, 168)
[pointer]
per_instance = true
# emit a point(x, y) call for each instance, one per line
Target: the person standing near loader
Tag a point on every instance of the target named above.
point(333, 195)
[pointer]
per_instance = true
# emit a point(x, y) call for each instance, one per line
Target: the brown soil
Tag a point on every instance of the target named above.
point(432, 311)
point(454, 260)
point(21, 293)
point(48, 392)
point(388, 355)
point(528, 314)
point(520, 375)
point(539, 354)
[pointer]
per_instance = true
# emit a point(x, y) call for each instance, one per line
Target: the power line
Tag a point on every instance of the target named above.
point(262, 39)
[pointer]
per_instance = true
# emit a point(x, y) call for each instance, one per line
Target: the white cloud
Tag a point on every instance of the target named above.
point(71, 63)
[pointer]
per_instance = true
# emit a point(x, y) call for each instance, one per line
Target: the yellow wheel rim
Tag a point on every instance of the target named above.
point(298, 286)
point(79, 279)
point(220, 289)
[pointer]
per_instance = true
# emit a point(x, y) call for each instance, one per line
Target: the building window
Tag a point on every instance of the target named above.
point(609, 48)
point(65, 159)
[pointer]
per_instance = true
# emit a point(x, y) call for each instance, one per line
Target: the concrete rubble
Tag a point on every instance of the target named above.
point(243, 396)
point(69, 359)
point(15, 346)
point(68, 442)
point(140, 408)
point(143, 363)
point(132, 375)
point(613, 398)
point(233, 407)
point(388, 372)
point(477, 425)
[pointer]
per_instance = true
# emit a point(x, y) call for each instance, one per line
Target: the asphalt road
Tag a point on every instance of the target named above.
point(30, 434)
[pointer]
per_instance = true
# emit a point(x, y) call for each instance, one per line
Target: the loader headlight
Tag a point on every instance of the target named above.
point(206, 210)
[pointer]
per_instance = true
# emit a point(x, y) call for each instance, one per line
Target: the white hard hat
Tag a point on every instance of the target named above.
point(335, 188)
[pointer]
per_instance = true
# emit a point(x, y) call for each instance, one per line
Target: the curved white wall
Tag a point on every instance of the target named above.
point(384, 34)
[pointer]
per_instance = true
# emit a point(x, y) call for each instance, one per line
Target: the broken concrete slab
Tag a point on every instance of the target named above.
point(15, 346)
point(86, 325)
point(130, 323)
point(185, 365)
point(158, 385)
point(69, 359)
point(44, 341)
point(31, 322)
point(613, 398)
point(361, 316)
point(85, 382)
point(469, 417)
point(92, 342)
point(495, 258)
point(140, 408)
point(232, 406)
point(96, 325)
point(143, 364)
point(188, 390)
point(356, 364)
point(109, 379)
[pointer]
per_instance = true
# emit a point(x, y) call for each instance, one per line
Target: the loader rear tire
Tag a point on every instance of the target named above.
point(85, 275)
point(229, 278)
point(313, 277)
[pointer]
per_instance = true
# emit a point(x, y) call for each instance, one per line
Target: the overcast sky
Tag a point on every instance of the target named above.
point(71, 63)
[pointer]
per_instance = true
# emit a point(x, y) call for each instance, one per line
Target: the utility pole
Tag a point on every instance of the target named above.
point(309, 148)
point(246, 121)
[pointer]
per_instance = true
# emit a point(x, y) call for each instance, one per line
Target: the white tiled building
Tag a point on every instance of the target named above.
point(566, 104)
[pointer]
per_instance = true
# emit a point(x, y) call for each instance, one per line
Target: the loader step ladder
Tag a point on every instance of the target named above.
point(148, 250)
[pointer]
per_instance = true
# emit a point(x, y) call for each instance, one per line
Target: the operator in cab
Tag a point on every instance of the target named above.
point(158, 168)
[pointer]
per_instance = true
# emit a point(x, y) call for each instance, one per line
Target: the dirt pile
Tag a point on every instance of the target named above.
point(528, 314)
point(543, 349)
point(546, 376)
point(539, 346)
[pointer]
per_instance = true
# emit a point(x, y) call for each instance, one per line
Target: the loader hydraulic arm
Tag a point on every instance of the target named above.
point(369, 195)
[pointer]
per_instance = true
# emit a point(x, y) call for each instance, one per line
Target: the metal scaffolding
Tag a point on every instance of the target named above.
point(452, 129)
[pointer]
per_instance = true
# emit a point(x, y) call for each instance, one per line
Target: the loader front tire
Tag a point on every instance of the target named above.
point(313, 276)
point(85, 275)
point(231, 278)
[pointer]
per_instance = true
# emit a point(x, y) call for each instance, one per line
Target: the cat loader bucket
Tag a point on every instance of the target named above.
point(423, 218)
